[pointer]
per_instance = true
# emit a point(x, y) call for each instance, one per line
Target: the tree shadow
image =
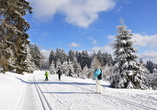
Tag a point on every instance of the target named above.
point(24, 81)
point(59, 82)
point(68, 93)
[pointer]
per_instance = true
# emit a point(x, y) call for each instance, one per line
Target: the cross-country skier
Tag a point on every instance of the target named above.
point(98, 76)
point(59, 74)
point(46, 76)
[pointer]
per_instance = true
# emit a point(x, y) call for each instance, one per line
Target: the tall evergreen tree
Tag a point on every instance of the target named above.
point(52, 68)
point(77, 67)
point(141, 61)
point(30, 66)
point(126, 71)
point(60, 55)
point(37, 56)
point(70, 69)
point(71, 55)
point(150, 66)
point(13, 36)
point(85, 59)
point(51, 57)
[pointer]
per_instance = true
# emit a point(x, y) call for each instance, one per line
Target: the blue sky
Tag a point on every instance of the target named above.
point(91, 25)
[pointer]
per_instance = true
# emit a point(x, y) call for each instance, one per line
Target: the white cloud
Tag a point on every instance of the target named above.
point(78, 12)
point(93, 40)
point(73, 44)
point(145, 40)
point(142, 40)
point(103, 49)
point(149, 55)
point(46, 53)
point(119, 9)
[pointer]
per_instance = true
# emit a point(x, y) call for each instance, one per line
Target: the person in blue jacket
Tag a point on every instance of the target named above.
point(98, 77)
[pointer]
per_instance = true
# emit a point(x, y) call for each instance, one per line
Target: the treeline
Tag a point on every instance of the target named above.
point(83, 57)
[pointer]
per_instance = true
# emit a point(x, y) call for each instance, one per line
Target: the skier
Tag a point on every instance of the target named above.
point(98, 77)
point(59, 74)
point(46, 76)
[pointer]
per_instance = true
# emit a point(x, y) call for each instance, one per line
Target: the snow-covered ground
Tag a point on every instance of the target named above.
point(31, 92)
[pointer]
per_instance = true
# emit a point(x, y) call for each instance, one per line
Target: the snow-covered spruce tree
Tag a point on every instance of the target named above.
point(64, 67)
point(85, 59)
point(13, 29)
point(70, 69)
point(107, 69)
point(107, 59)
point(71, 55)
point(60, 55)
point(84, 72)
point(126, 71)
point(58, 65)
point(37, 56)
point(150, 66)
point(100, 57)
point(77, 67)
point(52, 57)
point(52, 68)
point(30, 67)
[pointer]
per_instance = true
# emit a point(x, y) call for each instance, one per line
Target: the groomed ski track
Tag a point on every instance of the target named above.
point(69, 94)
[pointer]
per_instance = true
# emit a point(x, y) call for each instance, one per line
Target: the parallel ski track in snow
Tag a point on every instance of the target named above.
point(135, 104)
point(44, 102)
point(60, 101)
point(54, 96)
point(130, 102)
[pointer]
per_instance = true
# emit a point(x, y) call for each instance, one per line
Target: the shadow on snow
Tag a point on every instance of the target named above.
point(60, 82)
point(67, 93)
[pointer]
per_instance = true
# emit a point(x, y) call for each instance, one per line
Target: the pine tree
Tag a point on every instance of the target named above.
point(60, 55)
point(126, 71)
point(141, 61)
point(84, 72)
point(30, 67)
point(51, 57)
point(58, 65)
point(85, 59)
point(37, 56)
point(71, 55)
point(108, 59)
point(52, 68)
point(65, 67)
point(150, 66)
point(13, 33)
point(70, 69)
point(77, 67)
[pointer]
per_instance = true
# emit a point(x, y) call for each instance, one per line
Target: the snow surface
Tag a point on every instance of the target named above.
point(31, 92)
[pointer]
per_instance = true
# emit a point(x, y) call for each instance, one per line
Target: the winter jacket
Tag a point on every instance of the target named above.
point(47, 74)
point(59, 72)
point(96, 73)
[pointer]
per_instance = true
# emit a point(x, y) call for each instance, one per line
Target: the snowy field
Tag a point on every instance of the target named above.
point(31, 92)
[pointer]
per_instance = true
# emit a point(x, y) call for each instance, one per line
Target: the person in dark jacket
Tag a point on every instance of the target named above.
point(59, 74)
